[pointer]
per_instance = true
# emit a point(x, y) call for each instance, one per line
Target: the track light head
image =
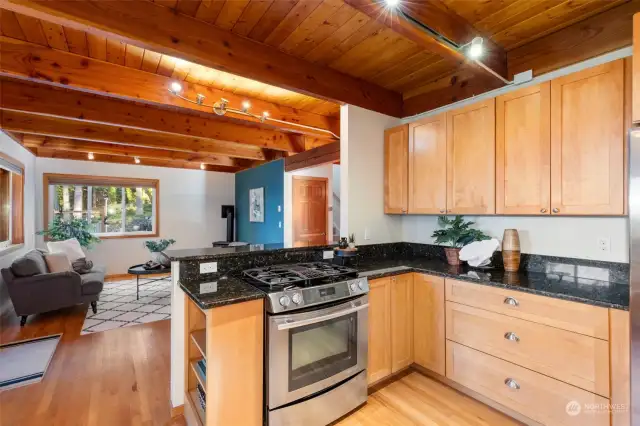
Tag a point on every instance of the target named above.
point(246, 105)
point(137, 160)
point(202, 166)
point(90, 156)
point(199, 98)
point(392, 4)
point(476, 49)
point(176, 88)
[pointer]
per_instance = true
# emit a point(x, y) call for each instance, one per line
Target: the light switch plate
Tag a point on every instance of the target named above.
point(209, 267)
point(327, 254)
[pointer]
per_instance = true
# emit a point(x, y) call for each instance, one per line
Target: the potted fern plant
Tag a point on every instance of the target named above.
point(456, 234)
point(157, 247)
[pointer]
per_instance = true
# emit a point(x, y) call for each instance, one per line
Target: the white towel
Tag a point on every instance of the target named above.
point(479, 253)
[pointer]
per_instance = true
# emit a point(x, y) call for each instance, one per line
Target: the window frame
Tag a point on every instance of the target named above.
point(16, 215)
point(90, 180)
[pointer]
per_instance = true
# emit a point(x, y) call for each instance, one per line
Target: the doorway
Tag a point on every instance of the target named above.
point(310, 205)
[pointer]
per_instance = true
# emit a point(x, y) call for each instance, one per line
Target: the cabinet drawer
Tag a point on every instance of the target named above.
point(534, 395)
point(572, 316)
point(580, 360)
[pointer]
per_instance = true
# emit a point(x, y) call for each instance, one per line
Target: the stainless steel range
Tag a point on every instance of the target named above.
point(316, 341)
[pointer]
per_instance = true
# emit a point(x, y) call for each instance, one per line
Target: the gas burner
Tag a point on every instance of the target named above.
point(273, 278)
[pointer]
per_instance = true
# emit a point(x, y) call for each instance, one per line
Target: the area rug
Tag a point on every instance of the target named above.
point(26, 362)
point(118, 306)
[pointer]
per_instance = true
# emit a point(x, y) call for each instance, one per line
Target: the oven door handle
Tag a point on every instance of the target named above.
point(284, 325)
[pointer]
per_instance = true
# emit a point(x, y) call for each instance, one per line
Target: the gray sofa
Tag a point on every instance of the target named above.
point(34, 290)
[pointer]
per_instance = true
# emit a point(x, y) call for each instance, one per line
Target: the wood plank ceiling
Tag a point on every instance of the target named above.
point(342, 36)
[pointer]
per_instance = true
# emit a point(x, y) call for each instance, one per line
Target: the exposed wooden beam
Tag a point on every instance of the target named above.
point(133, 151)
point(324, 154)
point(30, 61)
point(158, 28)
point(71, 155)
point(435, 15)
point(35, 98)
point(591, 37)
point(72, 129)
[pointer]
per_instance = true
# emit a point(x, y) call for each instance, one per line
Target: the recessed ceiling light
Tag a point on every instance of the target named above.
point(176, 88)
point(90, 156)
point(476, 49)
point(137, 160)
point(393, 3)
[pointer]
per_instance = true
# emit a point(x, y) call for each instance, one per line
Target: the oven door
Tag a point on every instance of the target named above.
point(311, 351)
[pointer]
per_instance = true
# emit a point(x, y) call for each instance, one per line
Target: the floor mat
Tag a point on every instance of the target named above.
point(26, 362)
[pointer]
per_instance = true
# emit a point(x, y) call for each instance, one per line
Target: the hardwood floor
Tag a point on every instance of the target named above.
point(118, 377)
point(415, 399)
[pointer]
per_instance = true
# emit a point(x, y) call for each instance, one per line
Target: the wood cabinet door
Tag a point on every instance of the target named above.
point(428, 165)
point(396, 158)
point(401, 321)
point(587, 141)
point(428, 322)
point(619, 342)
point(379, 365)
point(471, 144)
point(636, 69)
point(523, 151)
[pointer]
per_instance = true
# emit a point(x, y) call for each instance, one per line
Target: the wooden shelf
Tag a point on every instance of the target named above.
point(194, 401)
point(199, 337)
point(201, 379)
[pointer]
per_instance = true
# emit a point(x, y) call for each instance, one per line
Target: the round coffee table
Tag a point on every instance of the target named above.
point(138, 270)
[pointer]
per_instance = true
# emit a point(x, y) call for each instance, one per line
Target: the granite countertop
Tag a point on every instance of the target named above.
point(220, 290)
point(593, 292)
point(211, 253)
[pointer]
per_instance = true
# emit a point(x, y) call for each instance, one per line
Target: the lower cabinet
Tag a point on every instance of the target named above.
point(379, 365)
point(401, 322)
point(429, 322)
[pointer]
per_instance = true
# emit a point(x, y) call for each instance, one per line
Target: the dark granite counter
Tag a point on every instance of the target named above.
point(212, 253)
point(591, 291)
point(218, 291)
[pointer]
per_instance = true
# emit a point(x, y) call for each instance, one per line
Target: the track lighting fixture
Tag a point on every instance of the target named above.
point(176, 88)
point(90, 156)
point(393, 3)
point(202, 166)
point(137, 160)
point(476, 49)
point(199, 99)
point(245, 106)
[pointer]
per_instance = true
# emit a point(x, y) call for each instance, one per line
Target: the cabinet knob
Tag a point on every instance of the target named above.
point(556, 210)
point(511, 301)
point(511, 336)
point(543, 210)
point(511, 383)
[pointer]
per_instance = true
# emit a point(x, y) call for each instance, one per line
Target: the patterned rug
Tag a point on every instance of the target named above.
point(118, 306)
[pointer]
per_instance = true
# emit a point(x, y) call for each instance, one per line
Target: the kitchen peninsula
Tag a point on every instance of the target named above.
point(422, 314)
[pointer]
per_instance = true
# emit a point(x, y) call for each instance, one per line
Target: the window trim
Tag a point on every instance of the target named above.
point(15, 243)
point(90, 180)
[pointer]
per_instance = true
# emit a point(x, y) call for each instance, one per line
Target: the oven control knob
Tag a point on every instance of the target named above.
point(285, 301)
point(361, 285)
point(296, 298)
point(353, 286)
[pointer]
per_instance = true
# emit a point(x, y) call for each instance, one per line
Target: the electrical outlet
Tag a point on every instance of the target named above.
point(209, 287)
point(604, 244)
point(367, 236)
point(208, 268)
point(327, 254)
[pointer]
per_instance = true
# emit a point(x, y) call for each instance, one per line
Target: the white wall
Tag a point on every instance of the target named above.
point(190, 205)
point(13, 149)
point(362, 177)
point(324, 171)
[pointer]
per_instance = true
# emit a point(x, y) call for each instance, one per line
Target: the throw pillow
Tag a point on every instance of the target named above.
point(57, 262)
point(70, 247)
point(32, 263)
point(82, 266)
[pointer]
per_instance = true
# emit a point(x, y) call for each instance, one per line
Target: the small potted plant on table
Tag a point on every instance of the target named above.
point(157, 247)
point(456, 234)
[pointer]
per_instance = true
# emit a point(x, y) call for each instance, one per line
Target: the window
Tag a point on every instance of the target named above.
point(114, 207)
point(11, 202)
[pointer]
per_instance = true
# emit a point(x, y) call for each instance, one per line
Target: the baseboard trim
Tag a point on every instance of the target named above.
point(177, 411)
point(120, 277)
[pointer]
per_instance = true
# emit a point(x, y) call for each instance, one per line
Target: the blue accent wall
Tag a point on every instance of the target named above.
point(271, 177)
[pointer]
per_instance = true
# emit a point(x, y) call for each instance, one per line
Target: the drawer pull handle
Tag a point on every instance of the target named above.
point(511, 336)
point(511, 301)
point(511, 383)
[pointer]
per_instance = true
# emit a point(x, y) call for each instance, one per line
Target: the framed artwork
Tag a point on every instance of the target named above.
point(256, 205)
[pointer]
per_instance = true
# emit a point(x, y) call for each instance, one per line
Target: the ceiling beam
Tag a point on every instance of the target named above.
point(435, 15)
point(72, 129)
point(324, 154)
point(160, 29)
point(71, 155)
point(597, 35)
point(30, 61)
point(133, 151)
point(35, 98)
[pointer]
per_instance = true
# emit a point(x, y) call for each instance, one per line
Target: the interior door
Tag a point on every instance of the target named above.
point(428, 165)
point(310, 210)
point(587, 141)
point(471, 173)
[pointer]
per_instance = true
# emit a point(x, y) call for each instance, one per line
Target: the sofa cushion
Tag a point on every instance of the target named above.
point(57, 262)
point(70, 247)
point(93, 281)
point(82, 266)
point(32, 263)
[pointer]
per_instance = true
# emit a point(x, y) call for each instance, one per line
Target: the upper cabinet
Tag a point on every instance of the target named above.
point(587, 141)
point(523, 151)
point(636, 69)
point(471, 159)
point(428, 165)
point(396, 158)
